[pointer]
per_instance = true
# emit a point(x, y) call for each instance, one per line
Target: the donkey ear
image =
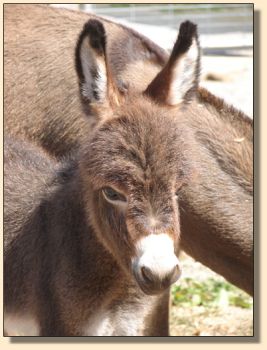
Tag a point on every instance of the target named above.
point(180, 76)
point(90, 62)
point(95, 81)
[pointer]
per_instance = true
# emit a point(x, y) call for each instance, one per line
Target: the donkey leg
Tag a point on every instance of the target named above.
point(55, 328)
point(158, 325)
point(52, 322)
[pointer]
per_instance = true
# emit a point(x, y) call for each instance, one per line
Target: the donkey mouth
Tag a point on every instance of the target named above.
point(152, 284)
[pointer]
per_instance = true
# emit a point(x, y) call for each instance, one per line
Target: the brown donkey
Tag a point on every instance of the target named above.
point(42, 104)
point(91, 245)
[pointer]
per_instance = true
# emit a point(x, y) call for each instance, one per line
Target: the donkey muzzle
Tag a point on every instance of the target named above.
point(156, 266)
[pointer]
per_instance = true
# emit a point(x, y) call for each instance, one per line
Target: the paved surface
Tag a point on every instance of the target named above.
point(234, 79)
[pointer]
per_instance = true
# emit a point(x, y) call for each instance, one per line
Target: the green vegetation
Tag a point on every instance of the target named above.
point(209, 293)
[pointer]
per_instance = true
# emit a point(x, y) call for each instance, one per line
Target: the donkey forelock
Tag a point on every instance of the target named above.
point(141, 141)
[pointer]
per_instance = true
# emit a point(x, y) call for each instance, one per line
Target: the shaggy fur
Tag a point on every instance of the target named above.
point(71, 256)
point(40, 79)
point(216, 217)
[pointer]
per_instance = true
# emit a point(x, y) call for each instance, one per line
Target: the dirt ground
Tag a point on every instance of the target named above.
point(198, 321)
point(203, 321)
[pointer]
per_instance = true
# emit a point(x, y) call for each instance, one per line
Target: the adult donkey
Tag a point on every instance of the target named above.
point(91, 244)
point(40, 83)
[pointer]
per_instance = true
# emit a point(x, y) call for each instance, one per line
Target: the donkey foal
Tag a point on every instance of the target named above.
point(91, 244)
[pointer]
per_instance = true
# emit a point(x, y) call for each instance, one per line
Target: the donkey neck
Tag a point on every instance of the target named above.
point(238, 120)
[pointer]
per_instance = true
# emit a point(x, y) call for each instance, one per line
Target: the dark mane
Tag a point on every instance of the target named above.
point(232, 115)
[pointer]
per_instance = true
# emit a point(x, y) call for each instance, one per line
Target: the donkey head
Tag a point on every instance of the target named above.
point(136, 160)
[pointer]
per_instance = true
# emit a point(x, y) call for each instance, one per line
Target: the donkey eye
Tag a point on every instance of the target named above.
point(112, 195)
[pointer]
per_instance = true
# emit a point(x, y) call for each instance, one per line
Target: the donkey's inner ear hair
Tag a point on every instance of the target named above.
point(178, 80)
point(97, 85)
point(91, 65)
point(95, 32)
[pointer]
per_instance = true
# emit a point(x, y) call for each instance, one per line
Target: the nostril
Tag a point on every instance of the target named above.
point(162, 279)
point(147, 274)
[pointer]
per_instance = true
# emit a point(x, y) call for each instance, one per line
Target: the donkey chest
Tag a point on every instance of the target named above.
point(124, 320)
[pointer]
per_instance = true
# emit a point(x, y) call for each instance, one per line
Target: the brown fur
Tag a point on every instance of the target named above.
point(217, 209)
point(48, 78)
point(69, 253)
point(213, 215)
point(55, 268)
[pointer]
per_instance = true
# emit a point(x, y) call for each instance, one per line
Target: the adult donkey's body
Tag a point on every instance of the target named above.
point(40, 83)
point(39, 70)
point(91, 244)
